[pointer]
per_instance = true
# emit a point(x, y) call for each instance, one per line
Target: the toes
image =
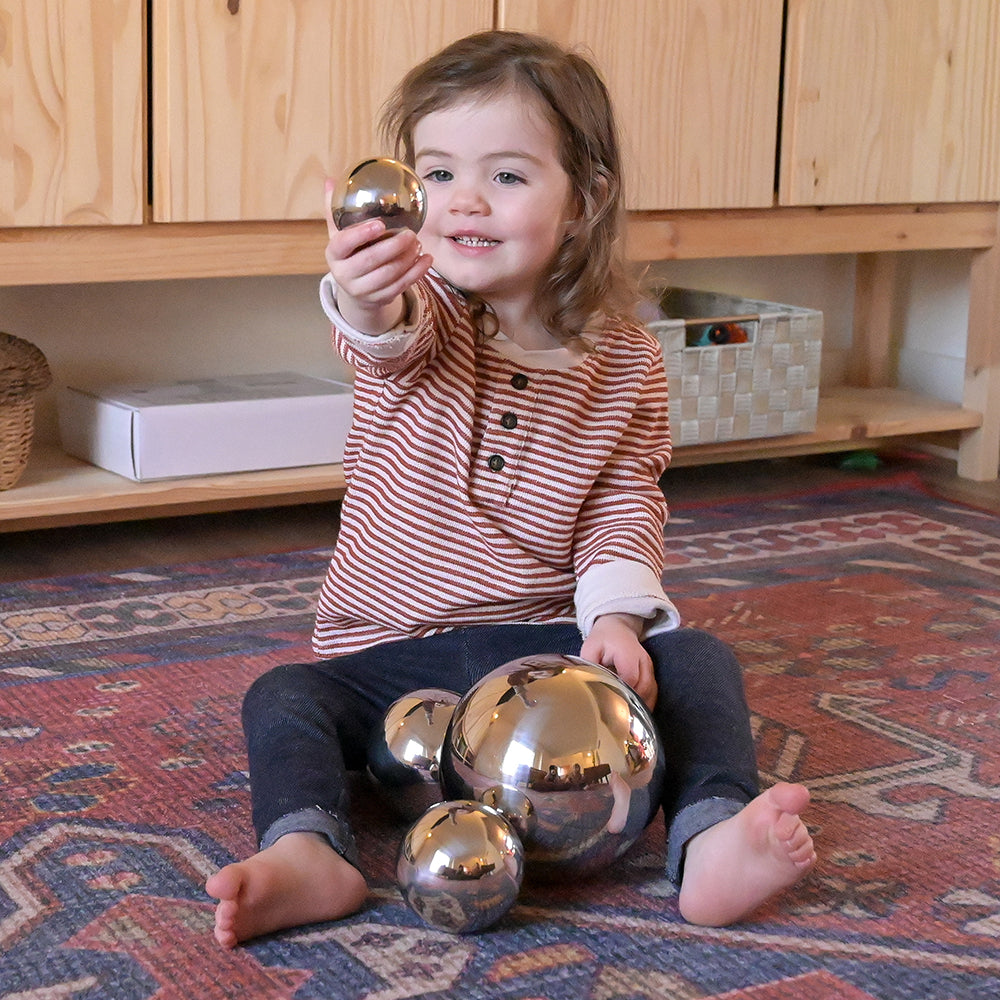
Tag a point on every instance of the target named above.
point(800, 847)
point(799, 838)
point(225, 913)
point(793, 836)
point(786, 826)
point(788, 797)
point(225, 884)
point(225, 923)
point(227, 939)
point(804, 855)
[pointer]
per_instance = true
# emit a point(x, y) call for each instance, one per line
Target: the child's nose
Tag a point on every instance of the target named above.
point(468, 199)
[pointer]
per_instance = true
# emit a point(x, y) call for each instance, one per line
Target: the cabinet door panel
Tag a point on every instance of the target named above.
point(71, 112)
point(695, 84)
point(891, 102)
point(255, 103)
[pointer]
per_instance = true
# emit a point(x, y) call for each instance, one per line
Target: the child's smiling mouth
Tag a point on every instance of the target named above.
point(468, 240)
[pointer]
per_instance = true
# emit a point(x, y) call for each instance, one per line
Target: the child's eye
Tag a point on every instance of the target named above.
point(439, 175)
point(507, 177)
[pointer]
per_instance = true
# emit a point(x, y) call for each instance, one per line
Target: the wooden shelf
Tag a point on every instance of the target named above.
point(73, 254)
point(848, 418)
point(57, 490)
point(779, 232)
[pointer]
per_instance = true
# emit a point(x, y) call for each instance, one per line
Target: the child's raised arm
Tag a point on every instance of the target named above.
point(372, 268)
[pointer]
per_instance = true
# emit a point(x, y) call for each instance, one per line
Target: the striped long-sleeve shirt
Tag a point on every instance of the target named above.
point(488, 484)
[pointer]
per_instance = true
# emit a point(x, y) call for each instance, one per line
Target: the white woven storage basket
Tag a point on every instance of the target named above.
point(764, 387)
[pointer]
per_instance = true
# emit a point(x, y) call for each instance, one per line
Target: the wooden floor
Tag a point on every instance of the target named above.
point(129, 545)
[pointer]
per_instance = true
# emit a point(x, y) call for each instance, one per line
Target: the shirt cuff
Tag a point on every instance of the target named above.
point(624, 587)
point(391, 344)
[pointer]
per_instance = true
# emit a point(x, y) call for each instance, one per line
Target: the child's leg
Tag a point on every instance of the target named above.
point(730, 847)
point(305, 726)
point(299, 721)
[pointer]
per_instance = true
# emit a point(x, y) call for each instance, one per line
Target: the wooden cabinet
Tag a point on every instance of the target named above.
point(256, 102)
point(71, 112)
point(695, 84)
point(891, 102)
point(887, 103)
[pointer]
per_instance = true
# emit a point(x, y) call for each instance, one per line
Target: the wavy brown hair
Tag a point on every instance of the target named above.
point(588, 274)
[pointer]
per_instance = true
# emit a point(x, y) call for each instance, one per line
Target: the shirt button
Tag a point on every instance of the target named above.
point(496, 462)
point(508, 421)
point(519, 381)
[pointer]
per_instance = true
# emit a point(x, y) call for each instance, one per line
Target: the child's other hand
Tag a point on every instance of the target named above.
point(614, 642)
point(372, 270)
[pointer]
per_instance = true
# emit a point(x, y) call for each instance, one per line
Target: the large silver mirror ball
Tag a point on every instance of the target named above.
point(566, 751)
point(404, 753)
point(380, 188)
point(460, 866)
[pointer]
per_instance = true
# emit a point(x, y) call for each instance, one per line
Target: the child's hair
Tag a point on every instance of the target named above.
point(589, 274)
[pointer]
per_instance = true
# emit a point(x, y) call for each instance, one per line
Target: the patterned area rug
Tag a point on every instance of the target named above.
point(868, 620)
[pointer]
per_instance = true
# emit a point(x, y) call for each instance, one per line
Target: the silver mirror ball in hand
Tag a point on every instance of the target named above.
point(380, 188)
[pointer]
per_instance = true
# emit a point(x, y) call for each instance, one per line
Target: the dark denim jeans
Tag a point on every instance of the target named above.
point(307, 725)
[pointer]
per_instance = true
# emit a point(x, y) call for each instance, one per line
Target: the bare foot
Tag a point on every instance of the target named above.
point(300, 879)
point(733, 867)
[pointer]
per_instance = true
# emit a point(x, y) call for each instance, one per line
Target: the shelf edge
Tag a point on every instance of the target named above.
point(59, 490)
point(160, 251)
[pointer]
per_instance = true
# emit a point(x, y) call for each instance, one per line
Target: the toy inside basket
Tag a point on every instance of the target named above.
point(737, 368)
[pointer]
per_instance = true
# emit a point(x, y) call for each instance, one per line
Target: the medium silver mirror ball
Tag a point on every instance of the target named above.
point(566, 751)
point(460, 866)
point(380, 188)
point(404, 753)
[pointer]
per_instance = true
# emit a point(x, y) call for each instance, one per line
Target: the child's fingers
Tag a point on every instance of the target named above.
point(360, 236)
point(399, 284)
point(351, 245)
point(381, 248)
point(382, 270)
point(397, 277)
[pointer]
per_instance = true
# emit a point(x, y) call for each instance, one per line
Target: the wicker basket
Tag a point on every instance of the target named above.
point(764, 386)
point(24, 373)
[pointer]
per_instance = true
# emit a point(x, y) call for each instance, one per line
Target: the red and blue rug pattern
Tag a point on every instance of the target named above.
point(868, 622)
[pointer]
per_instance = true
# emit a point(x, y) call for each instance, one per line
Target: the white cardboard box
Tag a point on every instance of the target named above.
point(208, 426)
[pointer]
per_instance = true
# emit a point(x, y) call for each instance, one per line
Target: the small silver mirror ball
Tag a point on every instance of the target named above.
point(404, 753)
point(460, 866)
point(380, 188)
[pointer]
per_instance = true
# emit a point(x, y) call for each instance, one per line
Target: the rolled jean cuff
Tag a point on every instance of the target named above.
point(315, 820)
point(689, 822)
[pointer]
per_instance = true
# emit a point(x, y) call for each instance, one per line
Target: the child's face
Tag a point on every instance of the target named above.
point(498, 199)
